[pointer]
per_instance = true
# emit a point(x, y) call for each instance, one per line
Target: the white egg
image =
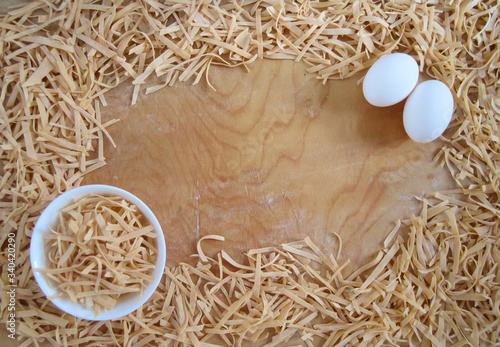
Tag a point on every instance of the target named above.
point(390, 80)
point(428, 111)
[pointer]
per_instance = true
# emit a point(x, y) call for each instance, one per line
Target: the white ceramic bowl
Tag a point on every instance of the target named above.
point(39, 260)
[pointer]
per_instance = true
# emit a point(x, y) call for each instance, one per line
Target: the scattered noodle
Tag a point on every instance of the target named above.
point(101, 249)
point(439, 284)
point(264, 300)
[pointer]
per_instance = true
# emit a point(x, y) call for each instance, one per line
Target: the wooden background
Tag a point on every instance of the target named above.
point(272, 155)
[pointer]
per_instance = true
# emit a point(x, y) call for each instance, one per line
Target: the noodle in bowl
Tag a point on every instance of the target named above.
point(40, 261)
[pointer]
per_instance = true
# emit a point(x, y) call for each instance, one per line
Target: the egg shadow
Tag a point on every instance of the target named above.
point(381, 125)
point(353, 119)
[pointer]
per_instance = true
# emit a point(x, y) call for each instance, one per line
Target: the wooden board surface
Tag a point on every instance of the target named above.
point(272, 155)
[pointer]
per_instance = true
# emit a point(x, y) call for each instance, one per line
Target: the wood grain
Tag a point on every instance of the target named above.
point(6, 5)
point(272, 155)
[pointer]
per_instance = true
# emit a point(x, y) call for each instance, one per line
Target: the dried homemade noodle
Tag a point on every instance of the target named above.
point(436, 285)
point(102, 248)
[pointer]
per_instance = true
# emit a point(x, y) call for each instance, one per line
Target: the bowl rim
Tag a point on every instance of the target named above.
point(38, 259)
